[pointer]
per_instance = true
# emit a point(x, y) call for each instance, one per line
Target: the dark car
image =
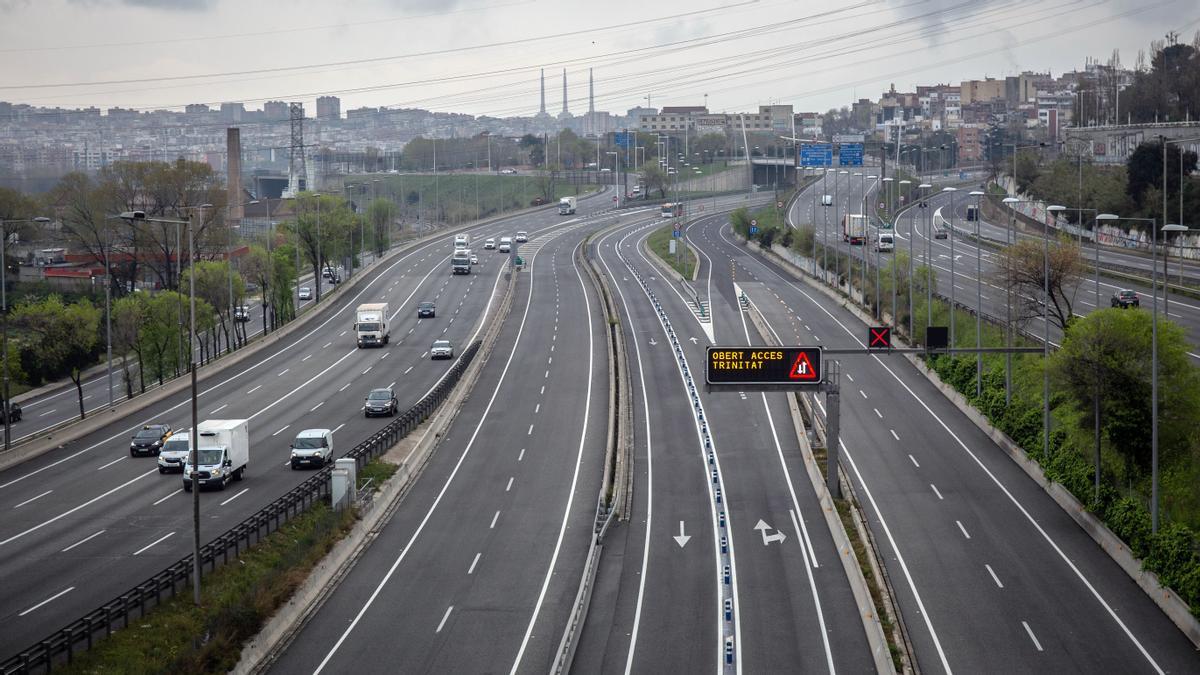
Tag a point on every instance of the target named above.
point(426, 310)
point(14, 413)
point(380, 402)
point(1125, 298)
point(149, 439)
point(241, 313)
point(537, 201)
point(940, 234)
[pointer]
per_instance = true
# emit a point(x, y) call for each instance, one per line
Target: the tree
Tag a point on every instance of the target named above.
point(1145, 169)
point(128, 317)
point(283, 267)
point(1023, 268)
point(1103, 367)
point(381, 214)
point(213, 286)
point(256, 266)
point(655, 178)
point(323, 225)
point(66, 335)
point(535, 147)
point(161, 335)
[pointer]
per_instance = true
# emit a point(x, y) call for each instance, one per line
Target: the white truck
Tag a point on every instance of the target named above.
point(566, 206)
point(460, 262)
point(854, 228)
point(222, 453)
point(462, 240)
point(371, 324)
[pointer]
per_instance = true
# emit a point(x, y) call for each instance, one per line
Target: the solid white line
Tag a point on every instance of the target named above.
point(254, 389)
point(105, 466)
point(444, 617)
point(1032, 637)
point(914, 461)
point(49, 599)
point(471, 569)
point(802, 534)
point(167, 497)
point(314, 408)
point(994, 577)
point(85, 539)
point(935, 491)
point(151, 544)
point(281, 430)
point(963, 529)
point(32, 499)
point(244, 491)
point(217, 410)
point(73, 510)
point(509, 486)
point(493, 525)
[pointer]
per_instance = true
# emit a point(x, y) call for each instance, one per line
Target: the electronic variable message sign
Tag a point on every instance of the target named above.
point(773, 366)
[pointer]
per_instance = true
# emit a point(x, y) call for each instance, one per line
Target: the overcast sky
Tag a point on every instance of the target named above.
point(483, 56)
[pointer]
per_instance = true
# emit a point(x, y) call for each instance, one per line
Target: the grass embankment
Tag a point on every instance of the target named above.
point(460, 197)
point(659, 242)
point(236, 600)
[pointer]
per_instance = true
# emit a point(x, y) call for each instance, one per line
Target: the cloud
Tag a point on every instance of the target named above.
point(12, 5)
point(168, 5)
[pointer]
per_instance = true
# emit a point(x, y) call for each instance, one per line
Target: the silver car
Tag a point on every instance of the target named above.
point(441, 349)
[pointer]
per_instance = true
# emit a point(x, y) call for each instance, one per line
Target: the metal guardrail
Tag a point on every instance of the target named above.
point(82, 633)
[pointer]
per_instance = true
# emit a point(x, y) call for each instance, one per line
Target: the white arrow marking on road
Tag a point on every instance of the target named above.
point(693, 339)
point(762, 528)
point(653, 342)
point(682, 539)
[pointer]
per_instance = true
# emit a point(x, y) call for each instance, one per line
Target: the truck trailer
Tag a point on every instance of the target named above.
point(222, 452)
point(371, 324)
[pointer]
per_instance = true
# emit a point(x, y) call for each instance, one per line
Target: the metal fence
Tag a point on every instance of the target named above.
point(82, 633)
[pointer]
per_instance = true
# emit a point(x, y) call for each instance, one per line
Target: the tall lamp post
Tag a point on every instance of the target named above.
point(950, 225)
point(978, 297)
point(926, 187)
point(1154, 375)
point(193, 438)
point(4, 317)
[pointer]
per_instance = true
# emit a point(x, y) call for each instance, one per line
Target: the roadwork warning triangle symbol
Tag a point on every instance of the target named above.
point(802, 369)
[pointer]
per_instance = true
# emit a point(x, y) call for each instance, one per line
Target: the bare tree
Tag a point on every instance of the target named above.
point(1023, 268)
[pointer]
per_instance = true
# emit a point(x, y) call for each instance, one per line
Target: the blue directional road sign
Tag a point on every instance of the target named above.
point(624, 139)
point(753, 230)
point(676, 233)
point(816, 154)
point(850, 154)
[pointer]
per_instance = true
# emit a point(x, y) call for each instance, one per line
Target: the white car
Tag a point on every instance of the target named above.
point(489, 244)
point(522, 237)
point(441, 349)
point(508, 171)
point(474, 259)
point(305, 293)
point(312, 447)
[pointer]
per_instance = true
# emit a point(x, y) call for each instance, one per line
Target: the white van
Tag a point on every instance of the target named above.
point(312, 447)
point(885, 243)
point(505, 244)
point(826, 200)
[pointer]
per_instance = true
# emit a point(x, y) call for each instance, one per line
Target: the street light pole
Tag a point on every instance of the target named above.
point(978, 297)
point(928, 263)
point(1012, 215)
point(950, 224)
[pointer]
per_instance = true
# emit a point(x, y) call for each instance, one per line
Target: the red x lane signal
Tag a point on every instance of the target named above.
point(879, 337)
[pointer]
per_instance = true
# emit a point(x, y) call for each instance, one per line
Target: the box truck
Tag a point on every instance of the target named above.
point(854, 228)
point(566, 206)
point(222, 453)
point(371, 324)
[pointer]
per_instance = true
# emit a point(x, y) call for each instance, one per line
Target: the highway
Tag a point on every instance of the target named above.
point(987, 567)
point(86, 521)
point(662, 607)
point(478, 569)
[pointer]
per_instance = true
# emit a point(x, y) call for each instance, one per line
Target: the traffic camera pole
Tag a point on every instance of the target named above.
point(194, 437)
